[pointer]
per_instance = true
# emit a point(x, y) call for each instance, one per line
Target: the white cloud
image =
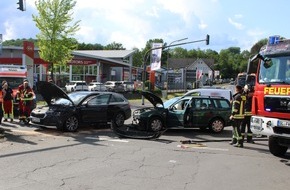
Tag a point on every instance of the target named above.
point(202, 25)
point(153, 12)
point(238, 16)
point(237, 25)
point(9, 31)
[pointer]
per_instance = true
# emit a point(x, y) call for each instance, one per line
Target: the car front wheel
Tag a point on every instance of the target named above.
point(155, 124)
point(216, 125)
point(275, 148)
point(71, 124)
point(119, 119)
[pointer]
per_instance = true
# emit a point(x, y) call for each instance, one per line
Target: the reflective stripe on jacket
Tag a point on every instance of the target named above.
point(238, 106)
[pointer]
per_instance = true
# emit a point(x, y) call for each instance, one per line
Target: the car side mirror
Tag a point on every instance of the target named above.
point(267, 63)
point(171, 108)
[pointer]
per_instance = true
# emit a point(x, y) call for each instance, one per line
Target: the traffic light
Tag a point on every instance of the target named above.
point(207, 39)
point(21, 5)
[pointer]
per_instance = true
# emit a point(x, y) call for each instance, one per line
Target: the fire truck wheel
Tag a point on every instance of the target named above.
point(275, 148)
point(216, 125)
point(71, 124)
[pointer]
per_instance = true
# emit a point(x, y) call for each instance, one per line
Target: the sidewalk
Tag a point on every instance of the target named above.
point(137, 103)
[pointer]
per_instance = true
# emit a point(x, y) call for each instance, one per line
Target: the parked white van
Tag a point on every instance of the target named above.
point(214, 92)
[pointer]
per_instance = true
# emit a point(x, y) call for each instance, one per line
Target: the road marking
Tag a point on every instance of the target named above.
point(108, 139)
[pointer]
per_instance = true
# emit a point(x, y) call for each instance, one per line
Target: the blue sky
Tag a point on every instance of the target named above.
point(230, 23)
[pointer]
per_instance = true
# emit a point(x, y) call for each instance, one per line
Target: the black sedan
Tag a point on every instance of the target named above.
point(68, 111)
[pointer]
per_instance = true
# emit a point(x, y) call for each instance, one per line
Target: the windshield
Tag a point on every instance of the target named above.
point(13, 82)
point(75, 97)
point(275, 70)
point(170, 102)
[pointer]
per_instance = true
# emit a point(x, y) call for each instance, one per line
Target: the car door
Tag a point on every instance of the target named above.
point(223, 109)
point(205, 112)
point(176, 111)
point(95, 109)
point(200, 112)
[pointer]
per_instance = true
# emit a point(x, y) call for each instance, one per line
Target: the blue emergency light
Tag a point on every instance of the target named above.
point(274, 40)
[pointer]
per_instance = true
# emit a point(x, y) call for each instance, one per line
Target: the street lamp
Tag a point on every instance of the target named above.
point(164, 47)
point(167, 61)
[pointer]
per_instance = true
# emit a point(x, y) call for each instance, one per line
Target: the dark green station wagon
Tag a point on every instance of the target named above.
point(184, 112)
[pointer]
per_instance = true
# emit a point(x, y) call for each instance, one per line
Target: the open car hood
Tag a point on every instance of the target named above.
point(50, 91)
point(152, 98)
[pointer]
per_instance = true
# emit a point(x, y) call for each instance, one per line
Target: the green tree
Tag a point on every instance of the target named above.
point(137, 58)
point(17, 42)
point(114, 46)
point(55, 39)
point(257, 46)
point(178, 52)
point(83, 46)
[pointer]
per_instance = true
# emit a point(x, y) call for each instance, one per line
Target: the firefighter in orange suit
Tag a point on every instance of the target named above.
point(237, 116)
point(25, 97)
point(7, 105)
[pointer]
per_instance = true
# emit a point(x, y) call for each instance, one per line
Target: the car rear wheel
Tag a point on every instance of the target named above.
point(119, 119)
point(216, 125)
point(155, 124)
point(71, 124)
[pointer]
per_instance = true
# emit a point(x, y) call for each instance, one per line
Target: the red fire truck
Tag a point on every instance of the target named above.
point(14, 75)
point(271, 100)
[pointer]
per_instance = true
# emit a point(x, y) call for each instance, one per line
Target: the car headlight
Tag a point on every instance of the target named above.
point(57, 113)
point(256, 123)
point(136, 112)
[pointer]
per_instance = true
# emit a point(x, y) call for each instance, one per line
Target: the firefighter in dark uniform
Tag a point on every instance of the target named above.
point(25, 97)
point(248, 91)
point(237, 116)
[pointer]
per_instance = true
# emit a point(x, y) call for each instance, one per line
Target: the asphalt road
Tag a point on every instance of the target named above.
point(32, 157)
point(95, 158)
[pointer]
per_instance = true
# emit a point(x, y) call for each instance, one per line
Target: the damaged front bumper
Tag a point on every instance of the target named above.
point(135, 131)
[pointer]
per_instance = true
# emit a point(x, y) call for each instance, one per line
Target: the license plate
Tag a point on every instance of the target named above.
point(283, 123)
point(36, 120)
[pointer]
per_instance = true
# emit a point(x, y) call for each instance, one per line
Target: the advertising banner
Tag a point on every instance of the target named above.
point(156, 56)
point(1, 44)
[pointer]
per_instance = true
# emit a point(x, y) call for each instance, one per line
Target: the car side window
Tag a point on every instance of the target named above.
point(202, 103)
point(197, 103)
point(180, 105)
point(99, 100)
point(115, 99)
point(222, 104)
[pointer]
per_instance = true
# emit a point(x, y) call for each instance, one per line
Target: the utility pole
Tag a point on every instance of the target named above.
point(164, 47)
point(167, 61)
